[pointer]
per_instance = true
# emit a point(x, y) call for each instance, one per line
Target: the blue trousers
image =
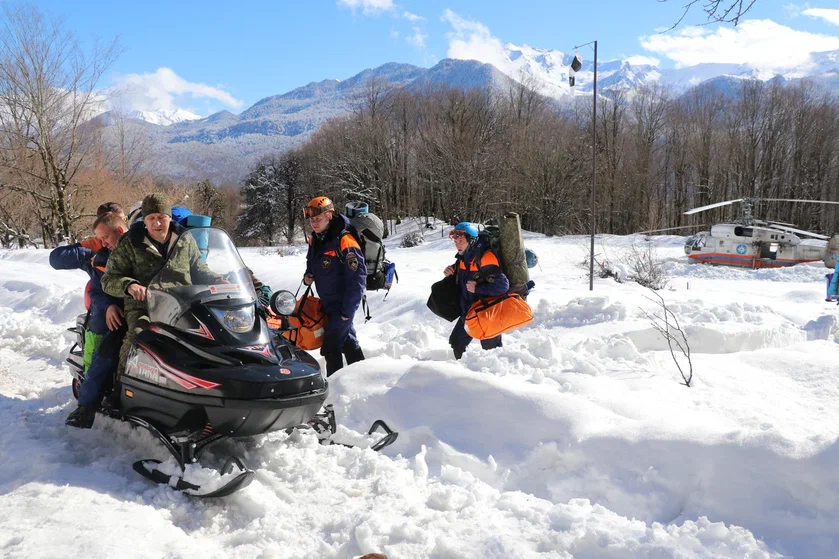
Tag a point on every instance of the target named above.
point(459, 339)
point(339, 340)
point(100, 374)
point(339, 336)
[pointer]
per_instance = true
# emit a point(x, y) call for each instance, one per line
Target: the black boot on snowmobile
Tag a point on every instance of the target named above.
point(82, 417)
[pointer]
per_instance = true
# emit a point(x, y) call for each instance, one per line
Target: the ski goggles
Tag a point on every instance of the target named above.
point(458, 234)
point(312, 211)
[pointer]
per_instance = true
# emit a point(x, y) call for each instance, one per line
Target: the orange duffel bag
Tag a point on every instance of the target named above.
point(493, 316)
point(308, 323)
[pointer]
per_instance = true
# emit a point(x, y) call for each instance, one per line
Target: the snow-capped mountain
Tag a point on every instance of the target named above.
point(549, 69)
point(164, 117)
point(224, 146)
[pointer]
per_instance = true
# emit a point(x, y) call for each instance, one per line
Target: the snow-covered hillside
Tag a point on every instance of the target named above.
point(575, 439)
point(164, 117)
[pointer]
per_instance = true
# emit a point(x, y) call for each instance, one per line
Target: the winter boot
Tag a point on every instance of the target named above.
point(334, 361)
point(82, 417)
point(354, 355)
point(458, 352)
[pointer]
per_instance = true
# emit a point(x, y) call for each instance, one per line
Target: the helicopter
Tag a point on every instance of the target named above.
point(756, 243)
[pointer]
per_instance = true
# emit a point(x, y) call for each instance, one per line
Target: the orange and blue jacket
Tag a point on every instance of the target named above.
point(78, 257)
point(490, 280)
point(338, 266)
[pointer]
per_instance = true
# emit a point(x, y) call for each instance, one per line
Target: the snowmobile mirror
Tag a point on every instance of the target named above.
point(283, 302)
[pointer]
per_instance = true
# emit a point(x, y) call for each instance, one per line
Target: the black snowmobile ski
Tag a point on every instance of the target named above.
point(325, 425)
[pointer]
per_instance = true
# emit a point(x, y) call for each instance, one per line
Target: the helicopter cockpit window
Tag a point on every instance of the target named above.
point(695, 242)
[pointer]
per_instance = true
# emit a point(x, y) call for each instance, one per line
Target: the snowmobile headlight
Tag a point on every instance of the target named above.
point(283, 302)
point(238, 320)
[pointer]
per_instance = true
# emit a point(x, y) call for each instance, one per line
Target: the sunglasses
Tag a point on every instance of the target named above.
point(455, 234)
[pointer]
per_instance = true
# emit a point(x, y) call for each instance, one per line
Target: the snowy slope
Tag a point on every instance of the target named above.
point(573, 440)
point(164, 117)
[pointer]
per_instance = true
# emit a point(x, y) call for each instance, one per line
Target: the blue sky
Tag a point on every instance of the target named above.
point(208, 55)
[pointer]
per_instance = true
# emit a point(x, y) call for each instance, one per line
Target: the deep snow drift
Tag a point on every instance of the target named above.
point(576, 439)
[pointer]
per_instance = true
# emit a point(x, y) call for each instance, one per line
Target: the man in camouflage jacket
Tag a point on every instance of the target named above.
point(140, 255)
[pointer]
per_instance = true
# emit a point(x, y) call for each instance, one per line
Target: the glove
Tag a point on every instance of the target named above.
point(264, 295)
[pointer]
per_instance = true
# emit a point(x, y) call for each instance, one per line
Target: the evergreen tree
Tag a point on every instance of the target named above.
point(272, 200)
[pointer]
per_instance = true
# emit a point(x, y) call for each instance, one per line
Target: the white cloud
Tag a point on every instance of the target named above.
point(472, 40)
point(417, 39)
point(164, 90)
point(640, 59)
point(828, 14)
point(368, 7)
point(759, 43)
point(412, 17)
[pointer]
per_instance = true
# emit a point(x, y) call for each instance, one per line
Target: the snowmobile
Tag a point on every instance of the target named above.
point(209, 368)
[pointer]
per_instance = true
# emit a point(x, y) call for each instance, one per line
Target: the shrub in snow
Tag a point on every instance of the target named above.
point(644, 268)
point(412, 239)
point(667, 324)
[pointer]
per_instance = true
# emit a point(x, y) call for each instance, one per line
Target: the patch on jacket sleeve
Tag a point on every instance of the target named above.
point(352, 262)
point(326, 262)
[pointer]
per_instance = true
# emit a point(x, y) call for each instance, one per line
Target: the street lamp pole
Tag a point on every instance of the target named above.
point(593, 167)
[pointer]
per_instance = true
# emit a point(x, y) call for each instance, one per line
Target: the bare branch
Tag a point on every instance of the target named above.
point(672, 333)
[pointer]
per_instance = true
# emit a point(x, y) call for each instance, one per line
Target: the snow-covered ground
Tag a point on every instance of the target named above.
point(576, 439)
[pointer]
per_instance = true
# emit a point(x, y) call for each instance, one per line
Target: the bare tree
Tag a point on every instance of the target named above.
point(132, 156)
point(48, 92)
point(718, 11)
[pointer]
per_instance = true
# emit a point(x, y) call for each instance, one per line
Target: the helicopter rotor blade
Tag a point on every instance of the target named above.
point(798, 231)
point(712, 206)
point(800, 201)
point(668, 229)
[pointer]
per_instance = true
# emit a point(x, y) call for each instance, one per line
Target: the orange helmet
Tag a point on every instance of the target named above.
point(317, 206)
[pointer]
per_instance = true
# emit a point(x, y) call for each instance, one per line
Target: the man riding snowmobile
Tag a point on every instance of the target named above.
point(208, 368)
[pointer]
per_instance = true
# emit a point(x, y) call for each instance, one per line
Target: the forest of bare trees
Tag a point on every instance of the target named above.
point(450, 153)
point(471, 155)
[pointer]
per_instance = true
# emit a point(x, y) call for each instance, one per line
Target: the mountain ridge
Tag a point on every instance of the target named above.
point(224, 146)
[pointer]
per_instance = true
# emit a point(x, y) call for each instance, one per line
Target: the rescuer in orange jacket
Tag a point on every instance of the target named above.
point(335, 263)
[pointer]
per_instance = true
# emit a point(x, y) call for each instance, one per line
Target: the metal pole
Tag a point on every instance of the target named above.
point(593, 173)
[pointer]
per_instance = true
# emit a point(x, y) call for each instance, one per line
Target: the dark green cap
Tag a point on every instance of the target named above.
point(156, 204)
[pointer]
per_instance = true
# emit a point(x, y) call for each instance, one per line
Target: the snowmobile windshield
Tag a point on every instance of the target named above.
point(203, 267)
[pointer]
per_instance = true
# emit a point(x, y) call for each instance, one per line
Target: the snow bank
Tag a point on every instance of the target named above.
point(574, 439)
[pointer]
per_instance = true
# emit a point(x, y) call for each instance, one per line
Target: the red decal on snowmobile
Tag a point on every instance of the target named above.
point(202, 331)
point(285, 372)
point(260, 349)
point(186, 380)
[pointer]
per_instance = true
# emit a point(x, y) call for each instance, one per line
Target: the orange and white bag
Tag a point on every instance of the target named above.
point(493, 316)
point(308, 322)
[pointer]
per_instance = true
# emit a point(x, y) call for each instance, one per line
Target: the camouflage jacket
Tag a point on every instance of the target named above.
point(135, 259)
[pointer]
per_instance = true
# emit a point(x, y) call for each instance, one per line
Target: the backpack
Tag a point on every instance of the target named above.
point(367, 229)
point(513, 265)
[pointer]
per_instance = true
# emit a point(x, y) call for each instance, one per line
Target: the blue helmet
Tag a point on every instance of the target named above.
point(468, 228)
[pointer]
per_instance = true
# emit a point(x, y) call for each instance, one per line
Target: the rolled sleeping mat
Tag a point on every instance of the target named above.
point(514, 261)
point(201, 237)
point(355, 208)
